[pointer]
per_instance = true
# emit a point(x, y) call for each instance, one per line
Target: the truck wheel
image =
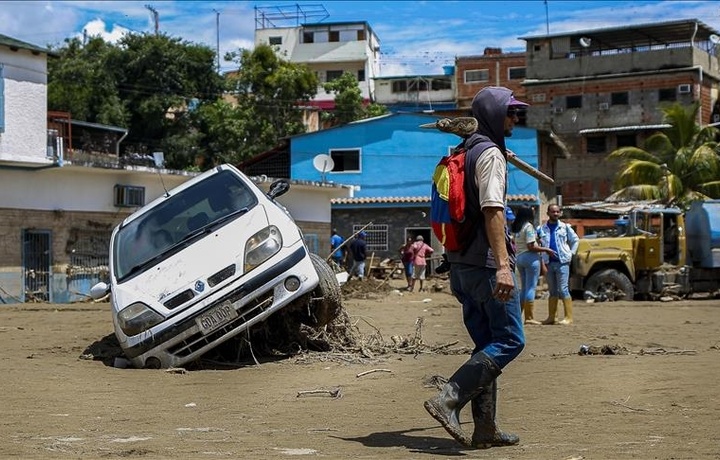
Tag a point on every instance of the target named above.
point(326, 302)
point(611, 284)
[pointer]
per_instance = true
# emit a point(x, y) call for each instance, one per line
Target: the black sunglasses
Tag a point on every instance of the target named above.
point(513, 112)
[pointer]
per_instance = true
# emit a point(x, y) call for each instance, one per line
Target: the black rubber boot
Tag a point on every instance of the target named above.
point(466, 383)
point(486, 432)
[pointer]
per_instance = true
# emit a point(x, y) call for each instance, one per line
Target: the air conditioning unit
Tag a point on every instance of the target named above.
point(603, 106)
point(557, 110)
point(684, 89)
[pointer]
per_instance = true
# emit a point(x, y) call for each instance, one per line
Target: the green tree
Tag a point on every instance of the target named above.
point(349, 102)
point(80, 82)
point(268, 90)
point(676, 166)
point(158, 77)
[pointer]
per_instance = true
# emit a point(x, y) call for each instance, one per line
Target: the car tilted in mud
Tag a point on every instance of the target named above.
point(206, 261)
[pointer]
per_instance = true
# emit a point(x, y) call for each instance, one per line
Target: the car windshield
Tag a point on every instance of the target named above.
point(178, 221)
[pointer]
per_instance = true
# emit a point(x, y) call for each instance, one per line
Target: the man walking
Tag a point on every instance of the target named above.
point(482, 278)
point(358, 248)
point(562, 239)
point(338, 253)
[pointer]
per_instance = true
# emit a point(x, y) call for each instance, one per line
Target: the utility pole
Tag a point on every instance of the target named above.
point(217, 39)
point(156, 18)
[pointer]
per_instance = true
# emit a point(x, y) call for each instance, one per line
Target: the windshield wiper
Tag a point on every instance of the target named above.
point(227, 217)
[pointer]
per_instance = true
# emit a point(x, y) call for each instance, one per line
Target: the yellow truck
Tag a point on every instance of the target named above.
point(655, 251)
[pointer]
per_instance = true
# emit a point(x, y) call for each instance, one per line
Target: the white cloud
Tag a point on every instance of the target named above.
point(97, 28)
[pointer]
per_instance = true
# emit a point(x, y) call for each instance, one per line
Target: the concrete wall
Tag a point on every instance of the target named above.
point(25, 97)
point(497, 65)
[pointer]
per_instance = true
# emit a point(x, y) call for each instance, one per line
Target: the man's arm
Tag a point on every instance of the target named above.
point(495, 228)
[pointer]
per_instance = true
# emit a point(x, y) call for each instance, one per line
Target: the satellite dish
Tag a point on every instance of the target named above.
point(714, 39)
point(585, 42)
point(323, 163)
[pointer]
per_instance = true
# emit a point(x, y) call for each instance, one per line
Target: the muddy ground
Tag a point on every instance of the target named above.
point(657, 399)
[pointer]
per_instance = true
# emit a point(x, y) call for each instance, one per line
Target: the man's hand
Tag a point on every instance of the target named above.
point(504, 284)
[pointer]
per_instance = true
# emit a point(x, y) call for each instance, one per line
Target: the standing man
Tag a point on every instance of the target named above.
point(357, 250)
point(482, 278)
point(563, 241)
point(338, 255)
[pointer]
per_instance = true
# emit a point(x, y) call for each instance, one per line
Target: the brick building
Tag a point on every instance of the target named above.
point(593, 91)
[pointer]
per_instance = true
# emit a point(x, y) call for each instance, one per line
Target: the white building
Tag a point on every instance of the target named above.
point(59, 204)
point(329, 49)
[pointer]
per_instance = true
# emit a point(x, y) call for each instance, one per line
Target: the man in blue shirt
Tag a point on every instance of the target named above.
point(358, 248)
point(562, 239)
point(336, 241)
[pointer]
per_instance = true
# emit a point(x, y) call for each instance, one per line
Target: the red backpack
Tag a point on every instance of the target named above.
point(447, 202)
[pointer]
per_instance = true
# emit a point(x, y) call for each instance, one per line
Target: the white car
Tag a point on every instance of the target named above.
point(204, 262)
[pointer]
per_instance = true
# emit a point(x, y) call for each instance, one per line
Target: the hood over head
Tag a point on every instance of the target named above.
point(489, 107)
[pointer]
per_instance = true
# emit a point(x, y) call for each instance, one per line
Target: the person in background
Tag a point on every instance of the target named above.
point(509, 219)
point(358, 249)
point(482, 279)
point(528, 259)
point(562, 239)
point(338, 253)
point(406, 255)
point(420, 251)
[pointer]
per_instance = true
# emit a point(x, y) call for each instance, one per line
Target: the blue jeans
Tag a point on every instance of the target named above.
point(557, 278)
point(529, 267)
point(495, 327)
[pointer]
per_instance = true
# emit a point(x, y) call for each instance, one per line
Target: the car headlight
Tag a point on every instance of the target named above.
point(137, 318)
point(261, 246)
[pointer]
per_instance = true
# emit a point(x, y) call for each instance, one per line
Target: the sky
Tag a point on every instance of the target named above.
point(416, 37)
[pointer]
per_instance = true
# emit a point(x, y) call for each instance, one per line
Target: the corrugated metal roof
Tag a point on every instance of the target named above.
point(623, 128)
point(665, 33)
point(416, 199)
point(622, 207)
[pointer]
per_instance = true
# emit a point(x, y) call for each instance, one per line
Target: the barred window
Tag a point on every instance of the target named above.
point(376, 236)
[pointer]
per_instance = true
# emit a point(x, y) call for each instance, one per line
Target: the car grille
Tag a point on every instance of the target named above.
point(221, 276)
point(197, 341)
point(179, 299)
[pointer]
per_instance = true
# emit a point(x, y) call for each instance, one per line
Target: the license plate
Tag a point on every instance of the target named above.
point(216, 317)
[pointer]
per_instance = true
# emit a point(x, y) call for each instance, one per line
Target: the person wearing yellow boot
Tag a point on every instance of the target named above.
point(528, 259)
point(562, 239)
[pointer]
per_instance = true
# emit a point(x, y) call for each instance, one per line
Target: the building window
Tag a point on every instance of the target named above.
point(440, 84)
point(516, 73)
point(308, 37)
point(418, 85)
point(619, 98)
point(346, 160)
point(361, 75)
point(376, 237)
point(275, 41)
point(331, 75)
point(361, 35)
point(399, 86)
point(129, 196)
point(475, 76)
point(334, 36)
point(573, 102)
point(626, 140)
point(596, 144)
point(667, 95)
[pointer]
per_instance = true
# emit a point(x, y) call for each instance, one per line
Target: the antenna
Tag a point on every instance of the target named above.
point(585, 42)
point(159, 159)
point(714, 39)
point(323, 163)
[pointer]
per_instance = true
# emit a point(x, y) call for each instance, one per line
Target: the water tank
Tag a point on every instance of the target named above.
point(702, 224)
point(449, 69)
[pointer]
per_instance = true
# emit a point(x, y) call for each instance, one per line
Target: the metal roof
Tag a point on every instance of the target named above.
point(17, 44)
point(623, 207)
point(623, 128)
point(652, 34)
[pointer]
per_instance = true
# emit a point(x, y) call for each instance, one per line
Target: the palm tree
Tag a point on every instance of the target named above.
point(675, 167)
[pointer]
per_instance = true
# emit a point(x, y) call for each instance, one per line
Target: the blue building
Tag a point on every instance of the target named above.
point(389, 160)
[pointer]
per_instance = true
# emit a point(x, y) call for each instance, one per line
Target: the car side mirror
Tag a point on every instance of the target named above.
point(277, 188)
point(99, 291)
